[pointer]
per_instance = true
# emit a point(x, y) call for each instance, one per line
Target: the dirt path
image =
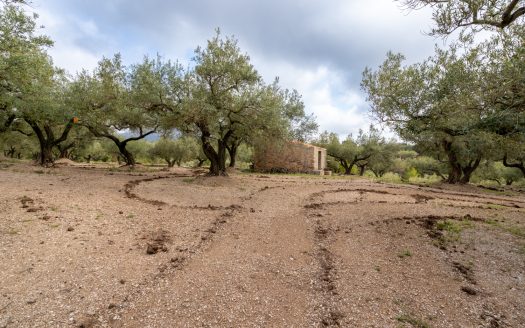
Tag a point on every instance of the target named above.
point(162, 249)
point(259, 272)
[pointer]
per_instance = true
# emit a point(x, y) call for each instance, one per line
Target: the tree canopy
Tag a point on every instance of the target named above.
point(450, 15)
point(439, 103)
point(226, 102)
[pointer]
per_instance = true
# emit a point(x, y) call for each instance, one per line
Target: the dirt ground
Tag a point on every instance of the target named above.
point(96, 247)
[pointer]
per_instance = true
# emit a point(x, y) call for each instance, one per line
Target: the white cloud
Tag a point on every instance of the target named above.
point(325, 93)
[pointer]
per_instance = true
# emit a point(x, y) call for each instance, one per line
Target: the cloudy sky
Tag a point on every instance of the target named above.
point(319, 48)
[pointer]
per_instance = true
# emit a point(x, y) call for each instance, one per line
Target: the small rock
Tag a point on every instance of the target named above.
point(155, 248)
point(469, 290)
point(45, 217)
point(70, 228)
point(31, 301)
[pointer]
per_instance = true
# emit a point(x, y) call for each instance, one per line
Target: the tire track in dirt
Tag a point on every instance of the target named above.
point(456, 193)
point(454, 258)
point(331, 310)
point(256, 246)
point(184, 256)
point(132, 184)
point(422, 198)
point(328, 312)
point(105, 314)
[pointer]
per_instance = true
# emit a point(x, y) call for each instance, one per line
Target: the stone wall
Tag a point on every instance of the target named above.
point(288, 157)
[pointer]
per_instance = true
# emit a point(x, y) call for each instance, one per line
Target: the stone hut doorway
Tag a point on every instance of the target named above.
point(319, 157)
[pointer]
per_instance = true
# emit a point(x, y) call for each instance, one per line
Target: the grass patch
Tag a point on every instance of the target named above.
point(498, 192)
point(406, 253)
point(516, 231)
point(130, 216)
point(415, 322)
point(39, 171)
point(454, 227)
point(428, 180)
point(451, 230)
point(513, 230)
point(390, 178)
point(188, 180)
point(13, 232)
point(496, 207)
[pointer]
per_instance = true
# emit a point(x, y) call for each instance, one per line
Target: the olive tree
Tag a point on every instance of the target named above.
point(31, 88)
point(450, 15)
point(225, 101)
point(19, 44)
point(351, 151)
point(115, 99)
point(175, 151)
point(437, 102)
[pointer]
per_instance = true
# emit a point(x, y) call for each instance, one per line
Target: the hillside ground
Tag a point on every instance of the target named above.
point(90, 246)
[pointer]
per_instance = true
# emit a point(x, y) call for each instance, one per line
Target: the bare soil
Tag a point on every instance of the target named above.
point(87, 246)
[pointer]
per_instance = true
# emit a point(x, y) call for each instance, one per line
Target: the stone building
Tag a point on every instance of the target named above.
point(290, 157)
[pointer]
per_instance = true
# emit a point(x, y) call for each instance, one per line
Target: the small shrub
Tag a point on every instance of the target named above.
point(415, 322)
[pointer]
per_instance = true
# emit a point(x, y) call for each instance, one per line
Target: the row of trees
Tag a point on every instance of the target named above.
point(466, 104)
point(462, 108)
point(221, 101)
point(371, 154)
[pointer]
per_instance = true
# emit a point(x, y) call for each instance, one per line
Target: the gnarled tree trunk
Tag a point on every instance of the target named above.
point(520, 165)
point(128, 157)
point(469, 169)
point(47, 140)
point(458, 173)
point(217, 157)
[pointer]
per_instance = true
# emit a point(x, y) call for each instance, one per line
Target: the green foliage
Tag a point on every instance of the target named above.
point(406, 154)
point(412, 320)
point(367, 147)
point(31, 89)
point(175, 151)
point(475, 14)
point(443, 105)
point(141, 150)
point(382, 159)
point(333, 165)
point(497, 172)
point(98, 151)
point(245, 154)
point(23, 51)
point(410, 173)
point(16, 145)
point(225, 102)
point(115, 98)
point(426, 165)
